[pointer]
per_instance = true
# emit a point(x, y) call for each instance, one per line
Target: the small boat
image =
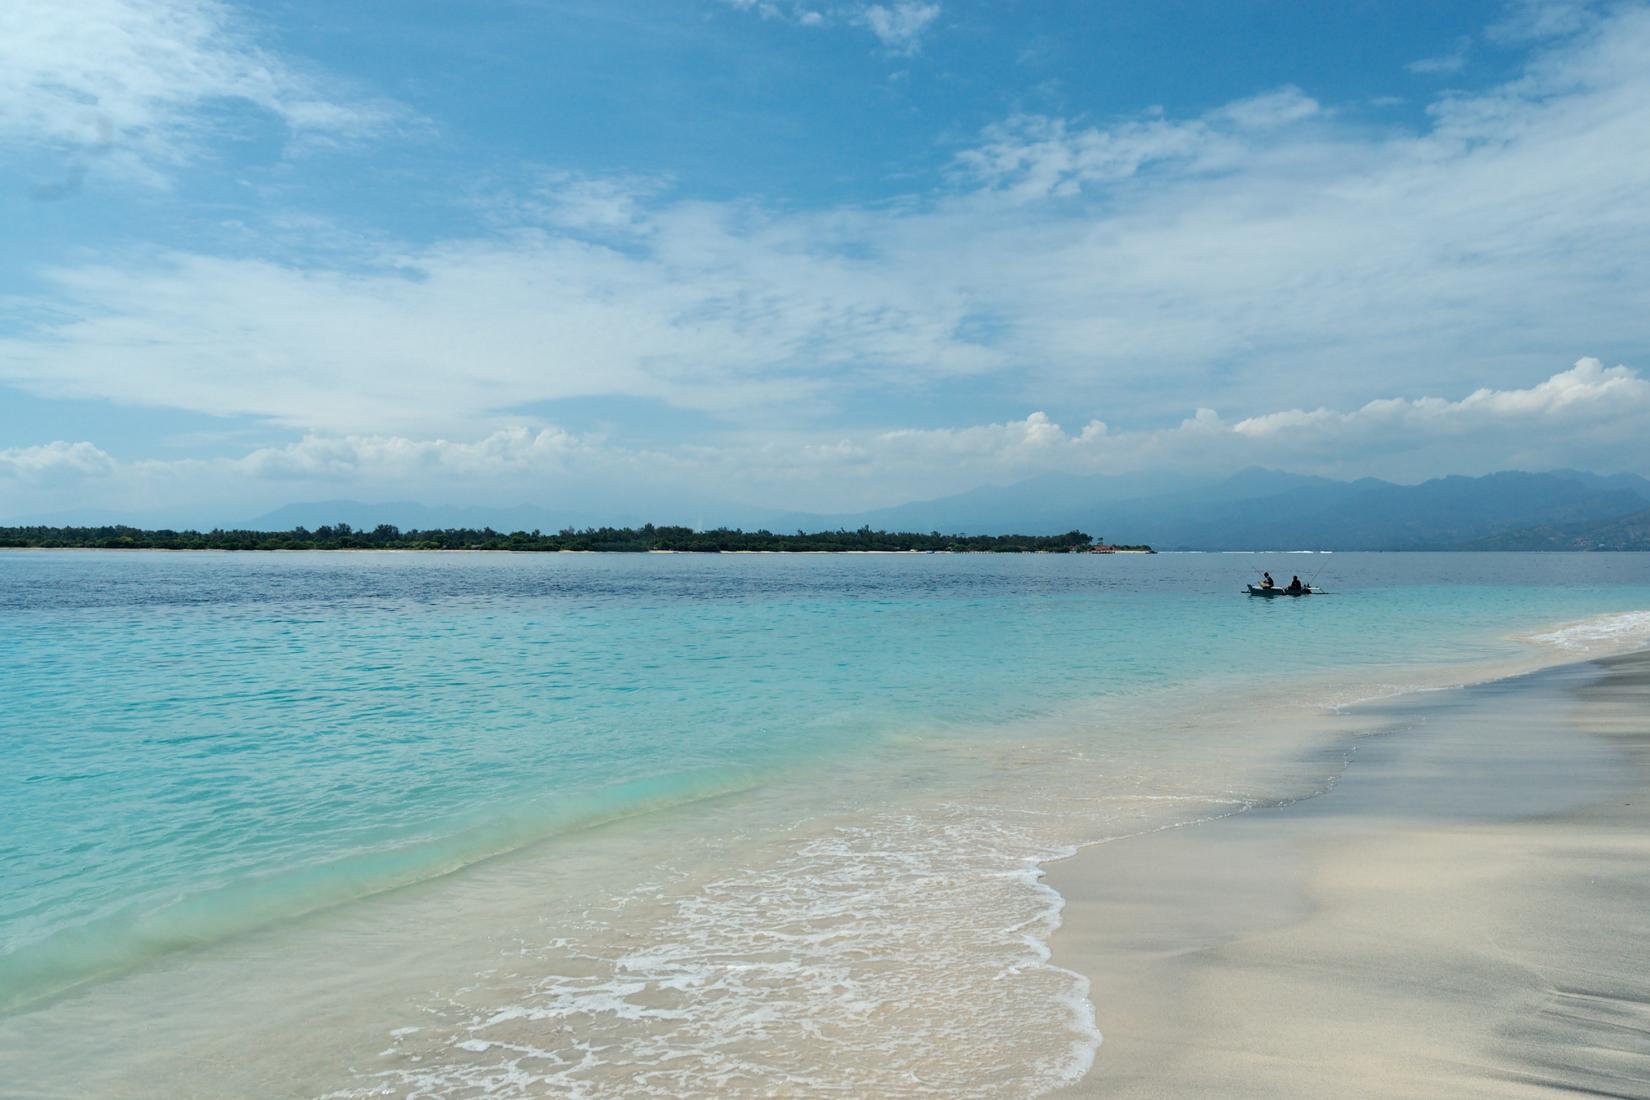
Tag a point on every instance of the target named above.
point(1256, 590)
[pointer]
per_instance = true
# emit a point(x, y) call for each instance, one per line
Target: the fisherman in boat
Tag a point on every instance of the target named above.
point(1295, 587)
point(1266, 581)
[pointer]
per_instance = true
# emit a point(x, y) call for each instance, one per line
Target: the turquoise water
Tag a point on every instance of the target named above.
point(196, 744)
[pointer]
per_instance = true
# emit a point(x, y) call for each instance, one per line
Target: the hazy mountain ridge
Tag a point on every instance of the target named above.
point(1254, 509)
point(1445, 513)
point(1627, 533)
point(1259, 509)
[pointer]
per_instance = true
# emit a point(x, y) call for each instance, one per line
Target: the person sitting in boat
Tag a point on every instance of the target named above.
point(1295, 586)
point(1266, 581)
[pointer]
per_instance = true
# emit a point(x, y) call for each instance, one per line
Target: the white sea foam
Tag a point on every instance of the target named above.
point(1619, 631)
point(889, 953)
point(911, 951)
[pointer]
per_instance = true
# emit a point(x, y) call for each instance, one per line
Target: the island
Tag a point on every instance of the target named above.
point(648, 538)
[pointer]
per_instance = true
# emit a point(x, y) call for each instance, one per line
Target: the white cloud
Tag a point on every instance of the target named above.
point(134, 81)
point(724, 311)
point(1529, 20)
point(397, 459)
point(1265, 254)
point(1588, 415)
point(1586, 392)
point(1268, 110)
point(54, 464)
point(582, 203)
point(1443, 64)
point(900, 26)
point(1033, 157)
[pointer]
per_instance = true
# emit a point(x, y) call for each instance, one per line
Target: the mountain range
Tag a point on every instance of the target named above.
point(1255, 509)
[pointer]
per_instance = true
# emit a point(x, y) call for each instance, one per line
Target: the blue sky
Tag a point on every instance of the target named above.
point(808, 254)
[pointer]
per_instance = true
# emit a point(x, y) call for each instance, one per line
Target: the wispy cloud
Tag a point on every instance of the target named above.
point(899, 26)
point(1443, 64)
point(1033, 156)
point(134, 84)
point(579, 202)
point(1536, 20)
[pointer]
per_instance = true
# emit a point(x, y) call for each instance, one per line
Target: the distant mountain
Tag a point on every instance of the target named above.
point(1046, 505)
point(1042, 505)
point(1626, 533)
point(1633, 483)
point(1259, 509)
point(1254, 509)
point(1375, 515)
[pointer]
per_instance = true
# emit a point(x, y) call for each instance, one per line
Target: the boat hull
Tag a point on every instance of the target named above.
point(1271, 592)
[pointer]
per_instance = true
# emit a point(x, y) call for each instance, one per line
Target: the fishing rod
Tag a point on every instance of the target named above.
point(1314, 576)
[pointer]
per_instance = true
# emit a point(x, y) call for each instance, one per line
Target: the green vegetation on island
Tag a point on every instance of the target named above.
point(598, 539)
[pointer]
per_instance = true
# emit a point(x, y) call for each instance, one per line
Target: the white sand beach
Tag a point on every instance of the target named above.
point(1466, 914)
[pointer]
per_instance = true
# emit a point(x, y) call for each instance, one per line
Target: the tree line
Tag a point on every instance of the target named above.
point(387, 536)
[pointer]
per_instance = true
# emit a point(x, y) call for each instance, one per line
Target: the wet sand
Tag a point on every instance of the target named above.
point(1465, 914)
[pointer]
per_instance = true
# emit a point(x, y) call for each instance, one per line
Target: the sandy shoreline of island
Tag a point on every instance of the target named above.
point(1465, 914)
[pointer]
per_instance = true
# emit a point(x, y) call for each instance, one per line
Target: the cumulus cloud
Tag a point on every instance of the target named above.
point(55, 463)
point(133, 82)
point(1586, 392)
point(393, 458)
point(1588, 415)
